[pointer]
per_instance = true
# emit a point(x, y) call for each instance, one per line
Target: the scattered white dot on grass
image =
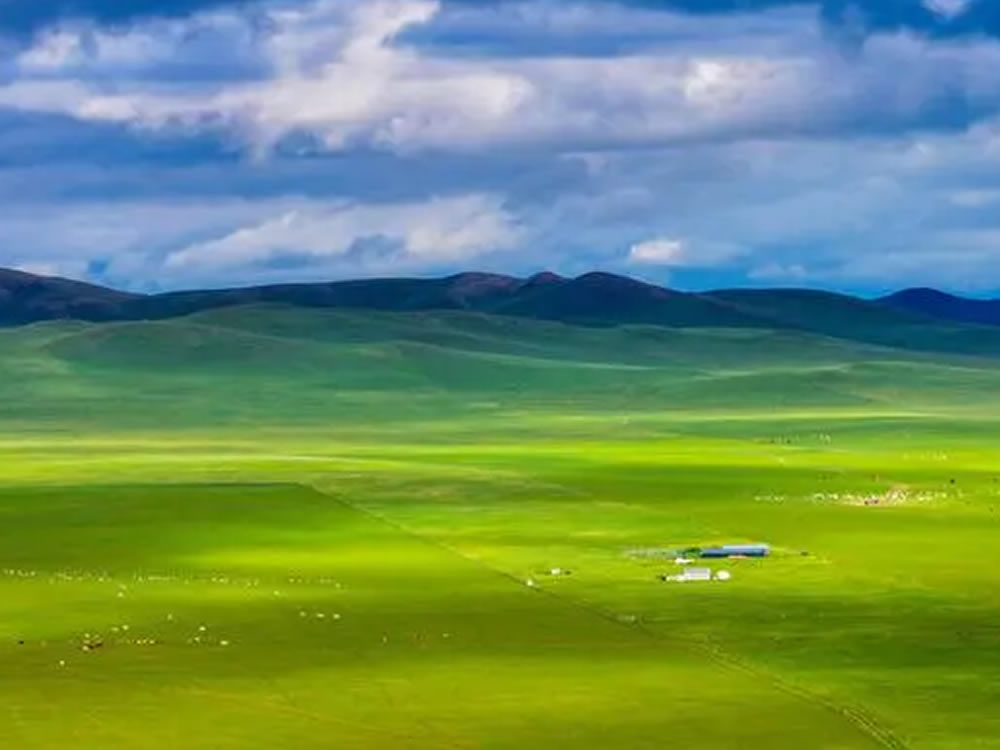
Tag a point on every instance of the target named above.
point(336, 616)
point(62, 662)
point(320, 615)
point(723, 575)
point(223, 643)
point(202, 628)
point(530, 583)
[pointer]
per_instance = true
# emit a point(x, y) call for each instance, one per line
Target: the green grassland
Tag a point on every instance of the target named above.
point(317, 529)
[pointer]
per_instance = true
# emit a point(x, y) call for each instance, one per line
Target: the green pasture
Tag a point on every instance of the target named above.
point(328, 530)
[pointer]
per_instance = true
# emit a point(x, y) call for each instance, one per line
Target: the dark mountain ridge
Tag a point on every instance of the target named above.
point(917, 319)
point(28, 298)
point(594, 298)
point(946, 306)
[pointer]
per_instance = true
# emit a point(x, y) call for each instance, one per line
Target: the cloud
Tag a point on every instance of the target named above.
point(677, 253)
point(948, 9)
point(339, 75)
point(317, 139)
point(184, 243)
point(664, 252)
point(374, 237)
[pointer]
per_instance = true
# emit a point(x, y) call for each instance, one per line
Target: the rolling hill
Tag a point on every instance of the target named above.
point(917, 320)
point(27, 298)
point(593, 299)
point(280, 364)
point(936, 304)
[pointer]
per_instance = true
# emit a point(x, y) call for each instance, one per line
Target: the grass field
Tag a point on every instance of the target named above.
point(318, 530)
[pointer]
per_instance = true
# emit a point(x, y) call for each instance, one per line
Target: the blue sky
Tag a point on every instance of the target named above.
point(163, 144)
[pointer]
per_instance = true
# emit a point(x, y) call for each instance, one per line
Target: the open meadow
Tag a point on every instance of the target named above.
point(306, 538)
point(499, 374)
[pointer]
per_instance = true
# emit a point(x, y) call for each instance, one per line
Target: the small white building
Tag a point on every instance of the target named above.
point(696, 574)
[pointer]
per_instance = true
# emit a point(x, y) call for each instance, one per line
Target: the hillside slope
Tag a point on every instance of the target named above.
point(284, 365)
point(843, 316)
point(27, 298)
point(918, 321)
point(936, 304)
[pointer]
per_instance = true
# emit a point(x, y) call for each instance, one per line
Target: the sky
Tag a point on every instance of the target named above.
point(168, 144)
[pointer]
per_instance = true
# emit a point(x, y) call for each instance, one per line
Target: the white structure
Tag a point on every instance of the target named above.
point(723, 575)
point(696, 574)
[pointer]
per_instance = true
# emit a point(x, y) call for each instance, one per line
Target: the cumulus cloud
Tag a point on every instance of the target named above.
point(947, 8)
point(149, 244)
point(666, 251)
point(414, 235)
point(400, 136)
point(338, 71)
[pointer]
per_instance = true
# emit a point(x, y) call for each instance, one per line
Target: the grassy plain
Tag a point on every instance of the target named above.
point(351, 507)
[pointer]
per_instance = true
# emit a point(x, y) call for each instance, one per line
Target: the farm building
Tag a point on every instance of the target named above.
point(696, 574)
point(737, 550)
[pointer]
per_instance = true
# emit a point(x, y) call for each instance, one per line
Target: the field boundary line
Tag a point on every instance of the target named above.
point(861, 719)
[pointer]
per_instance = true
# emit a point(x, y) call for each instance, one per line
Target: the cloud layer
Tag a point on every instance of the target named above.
point(844, 145)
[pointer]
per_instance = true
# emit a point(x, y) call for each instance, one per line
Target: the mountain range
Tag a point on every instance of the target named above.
point(922, 319)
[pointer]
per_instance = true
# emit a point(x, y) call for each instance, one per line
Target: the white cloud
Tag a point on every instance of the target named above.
point(77, 49)
point(54, 51)
point(948, 8)
point(665, 252)
point(686, 147)
point(185, 243)
point(411, 235)
point(339, 71)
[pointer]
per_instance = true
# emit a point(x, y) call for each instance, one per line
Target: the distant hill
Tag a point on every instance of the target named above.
point(873, 322)
point(594, 299)
point(945, 306)
point(920, 320)
point(27, 298)
point(253, 365)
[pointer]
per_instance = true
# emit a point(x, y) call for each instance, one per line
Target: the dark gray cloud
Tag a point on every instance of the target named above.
point(27, 16)
point(981, 16)
point(853, 16)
